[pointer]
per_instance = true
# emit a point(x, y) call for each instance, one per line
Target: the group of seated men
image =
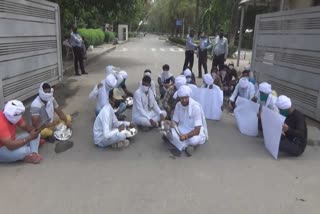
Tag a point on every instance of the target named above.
point(179, 110)
point(177, 103)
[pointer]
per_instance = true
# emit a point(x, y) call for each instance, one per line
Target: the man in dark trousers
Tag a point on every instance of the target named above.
point(294, 137)
point(220, 51)
point(76, 43)
point(204, 45)
point(190, 46)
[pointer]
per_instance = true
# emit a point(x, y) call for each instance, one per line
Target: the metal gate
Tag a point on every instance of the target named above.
point(286, 53)
point(30, 47)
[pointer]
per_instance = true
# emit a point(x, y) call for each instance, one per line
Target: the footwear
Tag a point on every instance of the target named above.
point(189, 151)
point(121, 117)
point(175, 152)
point(51, 139)
point(121, 144)
point(85, 73)
point(77, 74)
point(33, 158)
point(63, 146)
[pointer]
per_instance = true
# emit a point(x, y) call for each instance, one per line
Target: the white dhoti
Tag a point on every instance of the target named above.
point(181, 145)
point(144, 121)
point(115, 138)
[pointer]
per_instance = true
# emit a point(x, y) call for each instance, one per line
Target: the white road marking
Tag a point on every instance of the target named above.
point(172, 50)
point(162, 49)
point(153, 49)
point(180, 49)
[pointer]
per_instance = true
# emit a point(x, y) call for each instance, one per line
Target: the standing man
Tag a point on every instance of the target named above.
point(76, 43)
point(295, 133)
point(146, 112)
point(204, 45)
point(190, 46)
point(220, 51)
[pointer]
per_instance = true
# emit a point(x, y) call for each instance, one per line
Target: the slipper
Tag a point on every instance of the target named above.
point(33, 158)
point(121, 144)
point(175, 152)
point(63, 146)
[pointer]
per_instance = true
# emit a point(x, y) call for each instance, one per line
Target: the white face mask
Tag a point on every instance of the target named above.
point(13, 119)
point(46, 96)
point(145, 89)
point(189, 79)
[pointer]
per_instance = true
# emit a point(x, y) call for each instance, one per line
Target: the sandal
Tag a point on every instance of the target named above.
point(121, 144)
point(33, 158)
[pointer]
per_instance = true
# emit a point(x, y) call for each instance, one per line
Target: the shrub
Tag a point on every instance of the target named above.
point(180, 41)
point(132, 34)
point(94, 37)
point(109, 36)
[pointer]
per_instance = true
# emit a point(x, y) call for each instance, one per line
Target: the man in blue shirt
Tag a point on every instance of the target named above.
point(189, 54)
point(76, 43)
point(204, 45)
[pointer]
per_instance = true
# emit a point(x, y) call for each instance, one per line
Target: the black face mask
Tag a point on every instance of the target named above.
point(221, 36)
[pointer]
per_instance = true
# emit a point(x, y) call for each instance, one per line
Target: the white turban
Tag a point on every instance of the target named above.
point(147, 74)
point(184, 91)
point(109, 69)
point(208, 79)
point(243, 82)
point(13, 111)
point(283, 102)
point(187, 72)
point(265, 88)
point(123, 74)
point(45, 96)
point(111, 81)
point(180, 81)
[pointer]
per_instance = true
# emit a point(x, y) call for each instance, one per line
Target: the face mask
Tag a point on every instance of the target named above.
point(145, 89)
point(263, 97)
point(189, 80)
point(46, 96)
point(221, 36)
point(284, 112)
point(14, 119)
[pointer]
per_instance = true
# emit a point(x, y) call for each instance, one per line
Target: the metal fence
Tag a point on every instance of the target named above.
point(286, 53)
point(30, 47)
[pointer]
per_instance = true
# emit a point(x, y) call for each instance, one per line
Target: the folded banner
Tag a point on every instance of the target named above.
point(272, 123)
point(211, 101)
point(246, 116)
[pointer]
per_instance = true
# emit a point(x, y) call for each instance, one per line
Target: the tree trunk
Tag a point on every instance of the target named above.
point(197, 30)
point(234, 28)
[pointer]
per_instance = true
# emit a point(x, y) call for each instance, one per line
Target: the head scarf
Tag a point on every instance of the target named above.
point(184, 91)
point(180, 81)
point(243, 82)
point(45, 96)
point(283, 102)
point(147, 74)
point(187, 72)
point(110, 81)
point(124, 74)
point(265, 88)
point(208, 79)
point(13, 111)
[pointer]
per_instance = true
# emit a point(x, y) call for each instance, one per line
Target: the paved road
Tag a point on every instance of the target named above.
point(231, 174)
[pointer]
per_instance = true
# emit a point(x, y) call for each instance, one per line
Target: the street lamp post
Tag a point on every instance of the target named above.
point(240, 36)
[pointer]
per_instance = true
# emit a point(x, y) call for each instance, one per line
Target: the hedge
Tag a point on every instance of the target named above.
point(94, 37)
point(109, 36)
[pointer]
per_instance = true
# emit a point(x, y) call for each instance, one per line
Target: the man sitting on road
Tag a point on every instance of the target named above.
point(190, 77)
point(244, 89)
point(165, 80)
point(25, 146)
point(43, 108)
point(188, 125)
point(146, 112)
point(294, 138)
point(148, 72)
point(169, 102)
point(107, 130)
point(265, 98)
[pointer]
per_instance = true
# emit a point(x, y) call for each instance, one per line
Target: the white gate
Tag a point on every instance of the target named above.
point(30, 47)
point(286, 53)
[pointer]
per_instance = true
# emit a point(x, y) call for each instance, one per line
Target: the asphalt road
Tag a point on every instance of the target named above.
point(231, 174)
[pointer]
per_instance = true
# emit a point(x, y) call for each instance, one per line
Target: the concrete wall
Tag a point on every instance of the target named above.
point(121, 35)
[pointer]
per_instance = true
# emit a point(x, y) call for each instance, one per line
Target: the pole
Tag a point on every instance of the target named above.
point(282, 5)
point(240, 36)
point(183, 28)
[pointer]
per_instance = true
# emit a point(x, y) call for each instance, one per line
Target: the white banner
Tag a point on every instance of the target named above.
point(272, 123)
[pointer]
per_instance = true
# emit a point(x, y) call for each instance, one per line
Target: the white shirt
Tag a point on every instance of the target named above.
point(144, 105)
point(247, 93)
point(220, 47)
point(100, 94)
point(189, 117)
point(106, 125)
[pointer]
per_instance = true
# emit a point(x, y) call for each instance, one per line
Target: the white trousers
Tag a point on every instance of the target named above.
point(143, 121)
point(116, 138)
point(181, 145)
point(7, 155)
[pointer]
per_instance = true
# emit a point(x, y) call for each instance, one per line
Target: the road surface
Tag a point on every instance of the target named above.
point(231, 174)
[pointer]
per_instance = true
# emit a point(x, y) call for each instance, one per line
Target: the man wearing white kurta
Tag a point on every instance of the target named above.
point(107, 130)
point(189, 121)
point(244, 89)
point(145, 111)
